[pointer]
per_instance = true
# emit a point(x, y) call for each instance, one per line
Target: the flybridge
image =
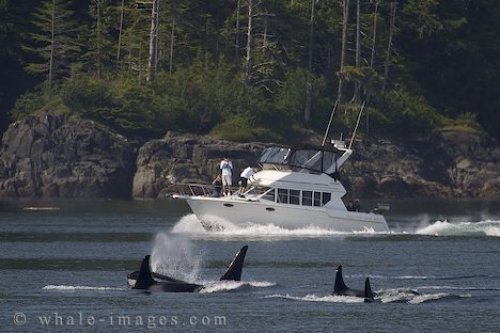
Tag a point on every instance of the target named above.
point(324, 159)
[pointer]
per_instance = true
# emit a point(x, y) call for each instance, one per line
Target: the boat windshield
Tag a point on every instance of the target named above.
point(315, 160)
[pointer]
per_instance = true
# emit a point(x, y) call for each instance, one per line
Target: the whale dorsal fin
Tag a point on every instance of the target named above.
point(368, 291)
point(144, 279)
point(233, 272)
point(340, 286)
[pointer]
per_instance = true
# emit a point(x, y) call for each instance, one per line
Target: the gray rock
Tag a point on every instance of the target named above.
point(49, 156)
point(180, 159)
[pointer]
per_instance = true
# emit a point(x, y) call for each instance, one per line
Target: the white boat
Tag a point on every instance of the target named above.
point(297, 187)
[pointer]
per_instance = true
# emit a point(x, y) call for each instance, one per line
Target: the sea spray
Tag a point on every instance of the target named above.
point(173, 256)
point(188, 224)
point(471, 229)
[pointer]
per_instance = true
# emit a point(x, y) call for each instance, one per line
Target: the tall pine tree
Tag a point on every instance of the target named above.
point(55, 42)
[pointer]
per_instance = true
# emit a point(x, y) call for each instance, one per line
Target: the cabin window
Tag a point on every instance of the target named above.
point(317, 199)
point(269, 195)
point(326, 198)
point(307, 198)
point(295, 197)
point(283, 195)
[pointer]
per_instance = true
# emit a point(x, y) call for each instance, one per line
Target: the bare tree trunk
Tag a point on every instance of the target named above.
point(374, 37)
point(342, 62)
point(345, 21)
point(307, 108)
point(120, 32)
point(98, 39)
point(389, 46)
point(153, 42)
point(237, 34)
point(52, 44)
point(266, 22)
point(357, 87)
point(172, 40)
point(140, 64)
point(372, 57)
point(248, 58)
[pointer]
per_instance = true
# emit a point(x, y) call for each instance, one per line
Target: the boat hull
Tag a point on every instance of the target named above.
point(240, 212)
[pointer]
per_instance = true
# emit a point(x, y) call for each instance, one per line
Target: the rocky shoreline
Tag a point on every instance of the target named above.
point(49, 156)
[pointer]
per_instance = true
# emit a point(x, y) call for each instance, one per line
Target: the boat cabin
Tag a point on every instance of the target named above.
point(307, 159)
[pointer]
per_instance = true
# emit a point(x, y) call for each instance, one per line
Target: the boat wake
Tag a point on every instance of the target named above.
point(387, 296)
point(469, 229)
point(315, 298)
point(189, 224)
point(410, 296)
point(225, 286)
point(81, 288)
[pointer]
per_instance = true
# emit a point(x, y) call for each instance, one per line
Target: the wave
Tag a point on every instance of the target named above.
point(75, 288)
point(189, 224)
point(472, 229)
point(388, 296)
point(315, 298)
point(388, 277)
point(459, 288)
point(224, 286)
point(411, 298)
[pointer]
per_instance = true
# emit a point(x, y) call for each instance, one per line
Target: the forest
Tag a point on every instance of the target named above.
point(249, 70)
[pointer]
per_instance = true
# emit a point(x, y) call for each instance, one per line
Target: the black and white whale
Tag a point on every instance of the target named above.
point(145, 279)
point(340, 288)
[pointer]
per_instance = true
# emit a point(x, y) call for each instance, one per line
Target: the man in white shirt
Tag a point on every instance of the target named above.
point(227, 173)
point(244, 177)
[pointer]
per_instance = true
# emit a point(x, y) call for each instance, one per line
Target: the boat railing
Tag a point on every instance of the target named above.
point(202, 190)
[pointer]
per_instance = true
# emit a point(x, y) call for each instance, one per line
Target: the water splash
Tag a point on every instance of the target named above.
point(173, 256)
point(315, 298)
point(222, 286)
point(471, 229)
point(76, 288)
point(388, 296)
point(189, 224)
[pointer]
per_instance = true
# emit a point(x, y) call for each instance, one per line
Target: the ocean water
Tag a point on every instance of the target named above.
point(63, 268)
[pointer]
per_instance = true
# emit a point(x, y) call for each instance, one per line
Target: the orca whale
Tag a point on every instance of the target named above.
point(340, 288)
point(145, 279)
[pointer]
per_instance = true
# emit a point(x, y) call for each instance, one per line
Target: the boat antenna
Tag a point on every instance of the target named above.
point(357, 124)
point(330, 121)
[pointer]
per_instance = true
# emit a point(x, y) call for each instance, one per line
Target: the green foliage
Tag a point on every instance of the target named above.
point(405, 115)
point(128, 109)
point(101, 48)
point(54, 40)
point(465, 122)
point(442, 66)
point(29, 103)
point(83, 93)
point(242, 128)
point(290, 102)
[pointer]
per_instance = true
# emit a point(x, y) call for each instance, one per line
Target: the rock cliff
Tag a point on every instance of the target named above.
point(182, 159)
point(51, 156)
point(447, 164)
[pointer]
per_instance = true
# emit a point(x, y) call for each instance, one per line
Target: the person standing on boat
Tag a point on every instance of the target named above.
point(244, 177)
point(227, 173)
point(217, 183)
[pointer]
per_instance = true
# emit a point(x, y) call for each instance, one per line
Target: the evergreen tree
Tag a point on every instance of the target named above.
point(102, 36)
point(55, 41)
